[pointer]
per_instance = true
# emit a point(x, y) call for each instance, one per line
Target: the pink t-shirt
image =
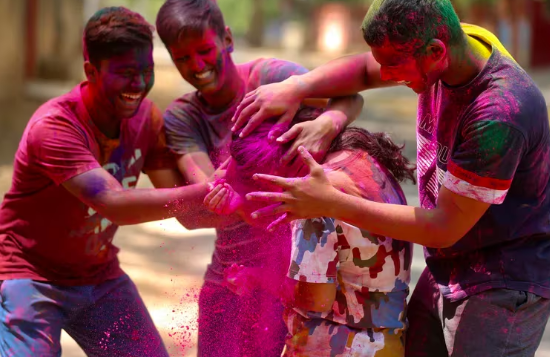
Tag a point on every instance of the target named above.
point(48, 234)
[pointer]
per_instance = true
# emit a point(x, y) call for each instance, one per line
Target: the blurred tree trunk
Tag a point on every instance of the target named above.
point(255, 33)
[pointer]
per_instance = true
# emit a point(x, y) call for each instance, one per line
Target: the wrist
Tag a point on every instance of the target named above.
point(299, 87)
point(336, 121)
point(333, 198)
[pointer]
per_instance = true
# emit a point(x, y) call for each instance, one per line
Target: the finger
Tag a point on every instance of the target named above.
point(245, 114)
point(276, 222)
point(225, 164)
point(269, 197)
point(247, 100)
point(290, 154)
point(273, 180)
point(208, 198)
point(270, 210)
point(221, 204)
point(309, 160)
point(216, 199)
point(254, 122)
point(291, 134)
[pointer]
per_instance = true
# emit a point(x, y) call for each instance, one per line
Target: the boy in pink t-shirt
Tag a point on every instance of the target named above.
point(74, 177)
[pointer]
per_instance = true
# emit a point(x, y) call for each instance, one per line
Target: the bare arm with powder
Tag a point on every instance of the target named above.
point(345, 76)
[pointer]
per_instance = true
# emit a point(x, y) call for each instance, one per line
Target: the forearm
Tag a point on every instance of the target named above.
point(133, 206)
point(429, 228)
point(343, 76)
point(344, 110)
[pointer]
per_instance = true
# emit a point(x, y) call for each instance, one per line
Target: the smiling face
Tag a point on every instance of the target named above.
point(202, 58)
point(120, 83)
point(418, 72)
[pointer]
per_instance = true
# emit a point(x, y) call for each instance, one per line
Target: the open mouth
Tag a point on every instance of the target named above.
point(131, 98)
point(405, 83)
point(204, 75)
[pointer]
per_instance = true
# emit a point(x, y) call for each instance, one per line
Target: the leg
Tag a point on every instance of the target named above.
point(268, 327)
point(424, 336)
point(31, 318)
point(496, 322)
point(116, 323)
point(219, 313)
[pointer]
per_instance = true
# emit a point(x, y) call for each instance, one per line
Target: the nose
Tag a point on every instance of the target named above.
point(139, 83)
point(197, 64)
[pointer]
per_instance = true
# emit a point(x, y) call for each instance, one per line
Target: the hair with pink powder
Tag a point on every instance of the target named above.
point(255, 154)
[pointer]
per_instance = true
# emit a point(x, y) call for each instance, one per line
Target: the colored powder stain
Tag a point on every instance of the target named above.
point(184, 329)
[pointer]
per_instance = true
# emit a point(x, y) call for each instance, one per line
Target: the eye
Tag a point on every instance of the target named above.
point(205, 51)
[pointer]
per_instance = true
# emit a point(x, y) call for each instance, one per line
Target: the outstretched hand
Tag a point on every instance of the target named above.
point(307, 197)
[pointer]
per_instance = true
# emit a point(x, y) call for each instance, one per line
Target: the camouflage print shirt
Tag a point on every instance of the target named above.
point(371, 272)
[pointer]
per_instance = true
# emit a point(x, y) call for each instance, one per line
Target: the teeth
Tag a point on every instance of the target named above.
point(403, 82)
point(131, 96)
point(203, 75)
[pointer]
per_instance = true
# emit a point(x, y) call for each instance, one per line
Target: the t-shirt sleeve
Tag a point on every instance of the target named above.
point(159, 155)
point(274, 70)
point(59, 149)
point(314, 251)
point(483, 164)
point(183, 134)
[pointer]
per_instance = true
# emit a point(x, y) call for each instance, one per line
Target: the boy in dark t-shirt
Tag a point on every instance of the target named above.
point(198, 130)
point(484, 178)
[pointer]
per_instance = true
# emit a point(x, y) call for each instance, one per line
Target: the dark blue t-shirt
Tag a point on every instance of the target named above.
point(490, 141)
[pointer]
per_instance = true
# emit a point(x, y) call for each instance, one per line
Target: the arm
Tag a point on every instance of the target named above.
point(477, 177)
point(197, 167)
point(341, 77)
point(318, 297)
point(194, 166)
point(440, 227)
point(101, 191)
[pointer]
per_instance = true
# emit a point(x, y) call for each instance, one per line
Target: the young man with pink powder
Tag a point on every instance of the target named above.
point(75, 171)
point(484, 179)
point(198, 131)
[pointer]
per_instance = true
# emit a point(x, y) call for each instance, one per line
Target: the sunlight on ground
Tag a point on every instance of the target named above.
point(173, 228)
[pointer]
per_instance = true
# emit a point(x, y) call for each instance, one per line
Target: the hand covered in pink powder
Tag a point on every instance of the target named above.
point(222, 199)
point(240, 279)
point(306, 197)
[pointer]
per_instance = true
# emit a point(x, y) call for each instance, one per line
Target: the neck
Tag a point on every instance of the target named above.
point(466, 61)
point(232, 87)
point(104, 121)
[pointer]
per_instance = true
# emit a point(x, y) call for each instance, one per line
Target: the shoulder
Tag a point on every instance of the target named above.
point(184, 109)
point(269, 70)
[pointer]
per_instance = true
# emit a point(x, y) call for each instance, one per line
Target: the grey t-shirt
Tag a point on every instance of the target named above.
point(191, 126)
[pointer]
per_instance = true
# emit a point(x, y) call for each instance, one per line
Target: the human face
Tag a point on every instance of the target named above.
point(399, 65)
point(202, 58)
point(122, 82)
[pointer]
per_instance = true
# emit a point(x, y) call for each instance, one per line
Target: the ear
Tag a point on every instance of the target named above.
point(228, 39)
point(436, 50)
point(91, 72)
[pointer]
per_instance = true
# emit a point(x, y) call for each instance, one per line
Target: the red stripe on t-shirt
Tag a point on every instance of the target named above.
point(476, 180)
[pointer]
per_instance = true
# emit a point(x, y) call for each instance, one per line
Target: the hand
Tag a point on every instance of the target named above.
point(314, 135)
point(308, 197)
point(267, 101)
point(223, 199)
point(239, 279)
point(220, 172)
